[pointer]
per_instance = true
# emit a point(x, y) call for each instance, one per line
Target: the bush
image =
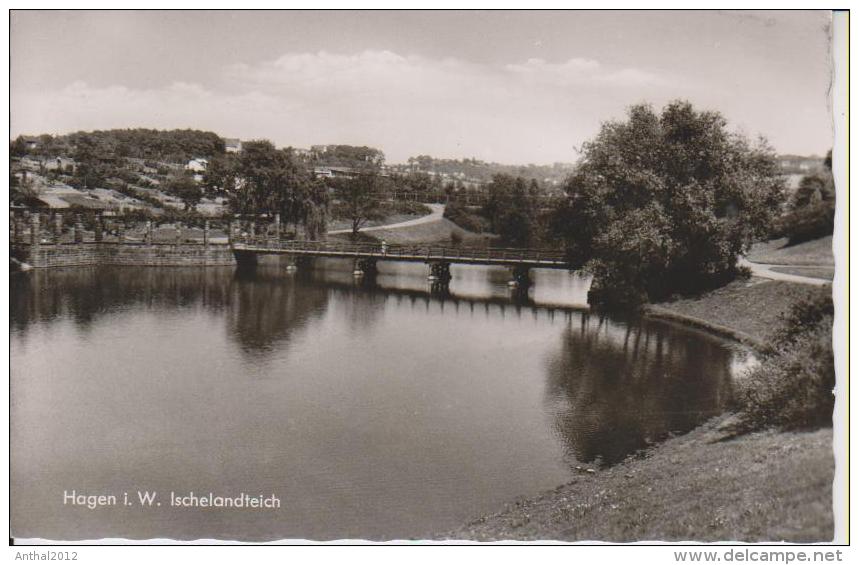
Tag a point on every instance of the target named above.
point(459, 215)
point(409, 207)
point(792, 388)
point(808, 222)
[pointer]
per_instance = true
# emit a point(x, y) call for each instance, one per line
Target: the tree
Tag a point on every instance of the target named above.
point(221, 174)
point(92, 169)
point(510, 210)
point(23, 191)
point(18, 147)
point(812, 208)
point(186, 189)
point(664, 203)
point(271, 182)
point(356, 200)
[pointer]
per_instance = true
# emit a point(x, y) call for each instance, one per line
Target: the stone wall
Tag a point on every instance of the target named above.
point(44, 256)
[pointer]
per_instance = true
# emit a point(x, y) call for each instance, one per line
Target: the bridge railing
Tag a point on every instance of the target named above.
point(430, 252)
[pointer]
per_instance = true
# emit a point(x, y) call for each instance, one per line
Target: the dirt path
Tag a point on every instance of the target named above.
point(435, 216)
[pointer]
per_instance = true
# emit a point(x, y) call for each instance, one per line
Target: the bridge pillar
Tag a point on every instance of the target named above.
point(277, 227)
point(365, 266)
point(245, 260)
point(58, 226)
point(439, 272)
point(440, 289)
point(520, 277)
point(79, 229)
point(35, 235)
point(16, 226)
point(99, 228)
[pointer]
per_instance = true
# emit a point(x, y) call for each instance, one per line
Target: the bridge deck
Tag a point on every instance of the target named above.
point(535, 258)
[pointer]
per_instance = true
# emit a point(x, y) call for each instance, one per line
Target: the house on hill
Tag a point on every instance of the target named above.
point(797, 164)
point(197, 165)
point(232, 145)
point(335, 172)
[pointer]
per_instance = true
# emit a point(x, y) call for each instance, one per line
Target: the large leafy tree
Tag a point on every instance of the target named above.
point(271, 181)
point(221, 175)
point(357, 199)
point(186, 189)
point(509, 209)
point(665, 202)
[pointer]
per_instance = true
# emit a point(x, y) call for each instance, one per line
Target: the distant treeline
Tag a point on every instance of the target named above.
point(170, 146)
point(481, 171)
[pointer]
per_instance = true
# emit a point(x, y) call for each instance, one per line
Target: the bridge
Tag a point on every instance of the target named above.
point(439, 258)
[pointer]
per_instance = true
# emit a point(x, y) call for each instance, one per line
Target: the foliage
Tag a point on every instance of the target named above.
point(419, 183)
point(664, 203)
point(809, 222)
point(461, 216)
point(409, 207)
point(476, 170)
point(93, 166)
point(271, 182)
point(456, 238)
point(221, 174)
point(510, 210)
point(24, 190)
point(812, 208)
point(792, 388)
point(177, 146)
point(186, 189)
point(356, 199)
point(358, 157)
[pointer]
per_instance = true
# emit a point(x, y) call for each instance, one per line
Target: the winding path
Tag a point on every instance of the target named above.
point(435, 216)
point(766, 271)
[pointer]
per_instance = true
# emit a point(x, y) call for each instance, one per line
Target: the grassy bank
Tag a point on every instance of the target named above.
point(820, 272)
point(710, 484)
point(440, 232)
point(776, 252)
point(747, 310)
point(340, 224)
point(766, 486)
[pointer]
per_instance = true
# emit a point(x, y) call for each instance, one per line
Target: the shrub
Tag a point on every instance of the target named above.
point(808, 222)
point(792, 388)
point(456, 238)
point(459, 215)
point(409, 207)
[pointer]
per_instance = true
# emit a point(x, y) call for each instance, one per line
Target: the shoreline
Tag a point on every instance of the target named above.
point(655, 312)
point(704, 485)
point(699, 486)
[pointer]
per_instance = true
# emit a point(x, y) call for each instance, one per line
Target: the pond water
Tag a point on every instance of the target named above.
point(371, 410)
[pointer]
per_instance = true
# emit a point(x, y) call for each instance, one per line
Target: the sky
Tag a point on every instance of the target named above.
point(513, 87)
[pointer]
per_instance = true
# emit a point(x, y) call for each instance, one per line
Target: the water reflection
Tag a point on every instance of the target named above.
point(377, 408)
point(85, 293)
point(616, 388)
point(265, 308)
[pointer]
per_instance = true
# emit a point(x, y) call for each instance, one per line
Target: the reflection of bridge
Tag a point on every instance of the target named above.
point(439, 258)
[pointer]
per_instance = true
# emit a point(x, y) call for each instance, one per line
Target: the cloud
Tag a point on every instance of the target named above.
point(583, 72)
point(529, 111)
point(385, 71)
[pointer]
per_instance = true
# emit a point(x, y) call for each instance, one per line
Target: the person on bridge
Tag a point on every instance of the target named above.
point(384, 247)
